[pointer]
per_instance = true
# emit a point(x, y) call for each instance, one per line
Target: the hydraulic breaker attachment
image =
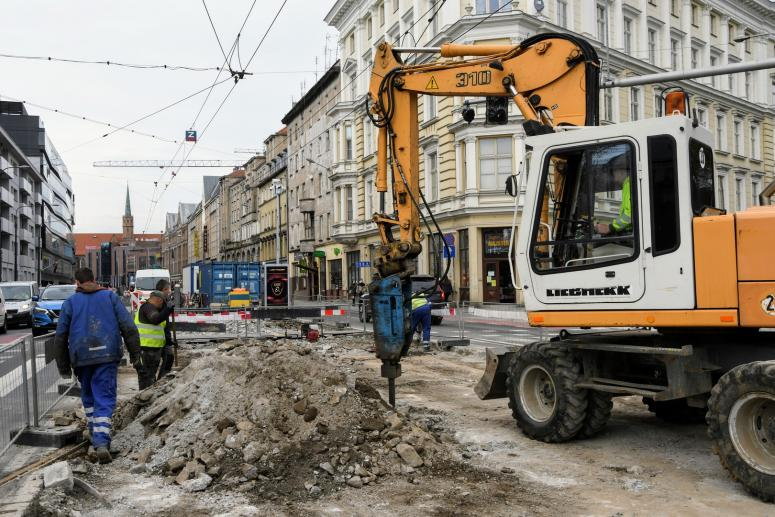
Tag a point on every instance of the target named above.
point(390, 309)
point(492, 385)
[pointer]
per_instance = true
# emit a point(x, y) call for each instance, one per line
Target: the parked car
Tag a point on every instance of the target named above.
point(48, 307)
point(419, 283)
point(19, 301)
point(3, 316)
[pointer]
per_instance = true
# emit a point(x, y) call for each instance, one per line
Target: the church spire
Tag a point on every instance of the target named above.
point(128, 206)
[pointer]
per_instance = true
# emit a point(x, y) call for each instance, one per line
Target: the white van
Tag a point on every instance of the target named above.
point(19, 298)
point(145, 283)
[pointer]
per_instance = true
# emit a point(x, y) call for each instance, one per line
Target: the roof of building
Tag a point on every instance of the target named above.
point(92, 241)
point(331, 75)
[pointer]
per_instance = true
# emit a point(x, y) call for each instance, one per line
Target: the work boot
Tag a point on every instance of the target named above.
point(426, 346)
point(103, 454)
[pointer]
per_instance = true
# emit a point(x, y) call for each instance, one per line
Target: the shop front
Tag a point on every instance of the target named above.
point(496, 275)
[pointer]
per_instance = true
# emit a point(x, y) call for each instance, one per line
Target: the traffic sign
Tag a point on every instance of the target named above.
point(190, 135)
point(448, 252)
point(364, 263)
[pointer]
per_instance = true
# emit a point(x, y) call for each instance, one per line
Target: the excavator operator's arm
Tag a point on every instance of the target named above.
point(552, 79)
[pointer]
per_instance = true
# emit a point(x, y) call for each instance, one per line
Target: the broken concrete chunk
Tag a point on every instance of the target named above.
point(58, 475)
point(409, 455)
point(233, 441)
point(140, 468)
point(300, 406)
point(355, 482)
point(328, 468)
point(144, 455)
point(310, 414)
point(224, 423)
point(252, 452)
point(372, 424)
point(62, 420)
point(394, 421)
point(175, 464)
point(197, 484)
point(245, 425)
point(249, 471)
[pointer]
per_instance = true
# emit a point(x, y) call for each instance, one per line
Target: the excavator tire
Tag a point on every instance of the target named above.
point(741, 423)
point(542, 391)
point(599, 407)
point(675, 411)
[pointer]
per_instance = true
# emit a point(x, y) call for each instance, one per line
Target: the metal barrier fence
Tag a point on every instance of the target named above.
point(28, 385)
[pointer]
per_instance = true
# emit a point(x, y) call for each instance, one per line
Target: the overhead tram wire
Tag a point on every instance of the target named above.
point(477, 24)
point(212, 24)
point(112, 63)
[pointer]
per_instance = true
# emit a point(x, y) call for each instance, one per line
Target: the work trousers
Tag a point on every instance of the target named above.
point(146, 374)
point(422, 316)
point(167, 361)
point(98, 395)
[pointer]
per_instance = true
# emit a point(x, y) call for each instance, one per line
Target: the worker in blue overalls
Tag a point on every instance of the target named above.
point(88, 339)
point(421, 315)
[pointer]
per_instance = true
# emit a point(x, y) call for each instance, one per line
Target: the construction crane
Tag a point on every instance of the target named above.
point(686, 291)
point(162, 164)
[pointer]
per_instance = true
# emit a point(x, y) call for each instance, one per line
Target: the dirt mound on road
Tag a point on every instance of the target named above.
point(274, 418)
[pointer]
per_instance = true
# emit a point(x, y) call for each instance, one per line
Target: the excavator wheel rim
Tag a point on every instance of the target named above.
point(537, 393)
point(752, 430)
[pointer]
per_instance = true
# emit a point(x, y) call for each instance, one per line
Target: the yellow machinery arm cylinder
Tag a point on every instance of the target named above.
point(381, 179)
point(457, 50)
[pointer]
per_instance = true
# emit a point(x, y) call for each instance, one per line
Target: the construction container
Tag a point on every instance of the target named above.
point(211, 282)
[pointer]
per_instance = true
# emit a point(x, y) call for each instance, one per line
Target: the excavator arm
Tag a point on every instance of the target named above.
point(551, 78)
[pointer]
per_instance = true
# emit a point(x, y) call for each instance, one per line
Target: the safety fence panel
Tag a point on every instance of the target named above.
point(14, 392)
point(46, 378)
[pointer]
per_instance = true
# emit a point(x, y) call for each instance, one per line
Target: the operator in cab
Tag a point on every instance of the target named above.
point(622, 224)
point(151, 322)
point(421, 315)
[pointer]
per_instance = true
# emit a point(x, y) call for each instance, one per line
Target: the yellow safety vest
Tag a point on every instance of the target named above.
point(418, 302)
point(624, 221)
point(151, 336)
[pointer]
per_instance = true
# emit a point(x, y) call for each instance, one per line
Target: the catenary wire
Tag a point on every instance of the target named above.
point(111, 63)
point(212, 24)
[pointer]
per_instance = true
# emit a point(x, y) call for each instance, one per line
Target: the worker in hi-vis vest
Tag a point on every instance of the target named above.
point(623, 222)
point(421, 315)
point(151, 322)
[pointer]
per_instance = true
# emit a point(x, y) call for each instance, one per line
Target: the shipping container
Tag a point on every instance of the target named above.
point(212, 281)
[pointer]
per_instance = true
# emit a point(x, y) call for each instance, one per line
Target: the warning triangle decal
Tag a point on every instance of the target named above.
point(432, 84)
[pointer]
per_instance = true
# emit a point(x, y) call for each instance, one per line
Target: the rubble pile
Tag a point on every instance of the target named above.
point(273, 418)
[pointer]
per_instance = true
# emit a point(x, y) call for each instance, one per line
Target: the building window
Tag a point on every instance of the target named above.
point(634, 103)
point(756, 189)
point(702, 117)
point(608, 105)
point(747, 42)
point(434, 20)
point(713, 24)
point(395, 6)
point(369, 29)
point(353, 85)
point(381, 13)
point(351, 43)
point(368, 137)
point(491, 6)
point(432, 178)
point(462, 237)
point(748, 86)
point(627, 25)
point(429, 102)
point(695, 15)
point(721, 131)
point(659, 105)
point(713, 64)
point(731, 27)
point(695, 58)
point(738, 136)
point(721, 192)
point(349, 206)
point(562, 13)
point(674, 7)
point(368, 197)
point(348, 142)
point(495, 162)
point(652, 46)
point(755, 150)
point(739, 193)
point(601, 23)
point(675, 54)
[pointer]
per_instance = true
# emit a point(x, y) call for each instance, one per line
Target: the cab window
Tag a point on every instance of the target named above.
point(586, 215)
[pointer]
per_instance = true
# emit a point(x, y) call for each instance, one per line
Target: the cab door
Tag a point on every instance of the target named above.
point(586, 245)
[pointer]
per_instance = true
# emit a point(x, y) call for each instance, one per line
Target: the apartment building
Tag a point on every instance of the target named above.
point(464, 166)
point(309, 187)
point(174, 248)
point(272, 172)
point(241, 230)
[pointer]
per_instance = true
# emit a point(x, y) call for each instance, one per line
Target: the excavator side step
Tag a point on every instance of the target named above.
point(622, 387)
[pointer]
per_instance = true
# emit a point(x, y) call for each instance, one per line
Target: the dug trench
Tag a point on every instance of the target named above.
point(287, 427)
point(294, 428)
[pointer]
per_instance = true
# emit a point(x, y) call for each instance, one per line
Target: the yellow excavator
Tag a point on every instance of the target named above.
point(661, 294)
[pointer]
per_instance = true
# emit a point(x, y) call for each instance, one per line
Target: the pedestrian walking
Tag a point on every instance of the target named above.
point(168, 352)
point(421, 315)
point(88, 337)
point(151, 322)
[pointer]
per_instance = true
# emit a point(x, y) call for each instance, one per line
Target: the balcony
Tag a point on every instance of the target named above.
point(25, 211)
point(25, 185)
point(26, 235)
point(25, 261)
point(6, 197)
point(6, 226)
point(307, 205)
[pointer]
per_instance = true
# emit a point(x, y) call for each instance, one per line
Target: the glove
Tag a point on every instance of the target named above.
point(171, 303)
point(137, 362)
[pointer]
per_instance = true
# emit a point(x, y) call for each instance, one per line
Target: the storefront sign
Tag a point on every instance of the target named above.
point(496, 242)
point(276, 284)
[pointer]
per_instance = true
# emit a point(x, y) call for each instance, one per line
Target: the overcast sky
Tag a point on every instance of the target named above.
point(155, 32)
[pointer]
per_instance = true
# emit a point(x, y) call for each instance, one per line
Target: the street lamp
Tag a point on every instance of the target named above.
point(743, 38)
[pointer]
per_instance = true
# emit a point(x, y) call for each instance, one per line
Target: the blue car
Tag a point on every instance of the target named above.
point(48, 306)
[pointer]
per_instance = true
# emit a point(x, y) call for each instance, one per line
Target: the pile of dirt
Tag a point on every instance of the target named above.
point(274, 419)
